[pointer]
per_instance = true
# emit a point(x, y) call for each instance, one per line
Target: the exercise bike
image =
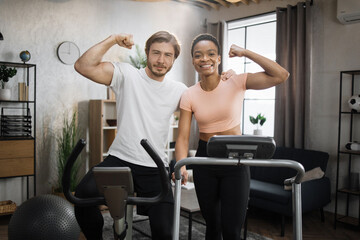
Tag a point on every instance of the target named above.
point(116, 185)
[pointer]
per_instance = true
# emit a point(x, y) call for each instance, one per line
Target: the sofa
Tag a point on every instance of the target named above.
point(267, 190)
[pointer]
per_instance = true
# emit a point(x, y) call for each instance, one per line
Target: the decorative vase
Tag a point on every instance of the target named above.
point(258, 132)
point(5, 94)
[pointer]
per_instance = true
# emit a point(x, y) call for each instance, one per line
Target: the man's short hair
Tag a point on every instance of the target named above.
point(163, 36)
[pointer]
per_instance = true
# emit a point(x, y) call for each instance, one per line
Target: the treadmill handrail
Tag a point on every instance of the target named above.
point(164, 178)
point(251, 162)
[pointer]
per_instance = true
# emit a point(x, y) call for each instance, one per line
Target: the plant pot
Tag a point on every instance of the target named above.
point(5, 94)
point(258, 132)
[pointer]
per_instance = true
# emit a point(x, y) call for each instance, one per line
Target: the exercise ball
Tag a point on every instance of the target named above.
point(44, 217)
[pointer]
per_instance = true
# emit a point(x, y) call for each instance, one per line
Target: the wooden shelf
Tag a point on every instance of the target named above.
point(173, 132)
point(101, 134)
point(17, 158)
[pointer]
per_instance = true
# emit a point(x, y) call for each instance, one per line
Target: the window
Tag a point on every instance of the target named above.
point(257, 34)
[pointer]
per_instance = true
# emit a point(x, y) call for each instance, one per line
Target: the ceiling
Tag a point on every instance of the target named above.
point(210, 4)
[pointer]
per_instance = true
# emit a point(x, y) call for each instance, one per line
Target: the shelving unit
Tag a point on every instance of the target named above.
point(18, 129)
point(173, 132)
point(170, 146)
point(101, 133)
point(349, 122)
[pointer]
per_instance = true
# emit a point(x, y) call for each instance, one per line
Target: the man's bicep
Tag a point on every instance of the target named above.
point(102, 73)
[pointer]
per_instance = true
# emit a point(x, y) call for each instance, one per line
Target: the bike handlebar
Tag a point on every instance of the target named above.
point(165, 184)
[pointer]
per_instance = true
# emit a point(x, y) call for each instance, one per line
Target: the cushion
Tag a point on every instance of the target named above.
point(269, 191)
point(314, 173)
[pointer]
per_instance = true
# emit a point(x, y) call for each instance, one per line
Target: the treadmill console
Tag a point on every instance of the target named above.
point(241, 146)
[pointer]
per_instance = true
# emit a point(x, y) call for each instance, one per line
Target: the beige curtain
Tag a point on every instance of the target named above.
point(217, 30)
point(293, 52)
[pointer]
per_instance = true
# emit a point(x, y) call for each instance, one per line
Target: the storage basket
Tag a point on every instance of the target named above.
point(7, 207)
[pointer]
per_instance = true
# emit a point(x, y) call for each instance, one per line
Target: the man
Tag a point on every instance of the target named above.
point(145, 102)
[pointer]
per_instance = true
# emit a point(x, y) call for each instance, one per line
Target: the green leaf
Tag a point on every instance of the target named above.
point(253, 120)
point(66, 141)
point(260, 119)
point(6, 73)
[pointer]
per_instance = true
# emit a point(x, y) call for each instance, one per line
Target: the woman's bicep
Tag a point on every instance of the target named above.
point(184, 123)
point(261, 80)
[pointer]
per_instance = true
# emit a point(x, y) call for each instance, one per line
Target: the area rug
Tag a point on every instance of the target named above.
point(141, 228)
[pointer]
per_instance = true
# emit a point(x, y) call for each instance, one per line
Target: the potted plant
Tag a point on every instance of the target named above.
point(259, 120)
point(5, 74)
point(66, 141)
point(139, 60)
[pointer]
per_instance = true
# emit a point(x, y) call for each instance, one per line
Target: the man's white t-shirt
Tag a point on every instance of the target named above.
point(144, 107)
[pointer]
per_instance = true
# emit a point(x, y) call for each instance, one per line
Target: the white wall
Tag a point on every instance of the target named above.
point(39, 26)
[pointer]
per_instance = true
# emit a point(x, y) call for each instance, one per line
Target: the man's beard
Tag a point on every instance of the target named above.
point(157, 74)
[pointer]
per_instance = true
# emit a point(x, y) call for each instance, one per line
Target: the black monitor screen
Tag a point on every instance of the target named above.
point(239, 146)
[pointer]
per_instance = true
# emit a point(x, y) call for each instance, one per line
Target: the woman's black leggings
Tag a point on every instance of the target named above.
point(223, 193)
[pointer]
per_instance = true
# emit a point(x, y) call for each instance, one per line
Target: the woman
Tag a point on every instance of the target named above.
point(216, 102)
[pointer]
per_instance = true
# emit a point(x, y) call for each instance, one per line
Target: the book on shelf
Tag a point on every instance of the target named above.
point(23, 91)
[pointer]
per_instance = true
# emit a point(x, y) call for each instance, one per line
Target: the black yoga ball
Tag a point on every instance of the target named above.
point(43, 218)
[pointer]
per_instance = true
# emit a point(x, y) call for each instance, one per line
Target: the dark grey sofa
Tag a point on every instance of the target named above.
point(267, 184)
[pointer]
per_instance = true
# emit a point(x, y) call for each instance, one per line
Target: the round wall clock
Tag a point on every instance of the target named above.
point(68, 52)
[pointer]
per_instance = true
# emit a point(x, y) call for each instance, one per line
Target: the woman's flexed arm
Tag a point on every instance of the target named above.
point(273, 75)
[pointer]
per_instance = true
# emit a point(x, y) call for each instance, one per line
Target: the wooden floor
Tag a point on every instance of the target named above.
point(267, 224)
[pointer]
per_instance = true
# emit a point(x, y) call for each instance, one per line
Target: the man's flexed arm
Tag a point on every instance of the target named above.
point(90, 64)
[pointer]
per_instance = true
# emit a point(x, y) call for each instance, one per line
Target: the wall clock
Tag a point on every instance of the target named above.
point(68, 52)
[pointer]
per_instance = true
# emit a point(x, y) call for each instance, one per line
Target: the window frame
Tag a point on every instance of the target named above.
point(245, 23)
